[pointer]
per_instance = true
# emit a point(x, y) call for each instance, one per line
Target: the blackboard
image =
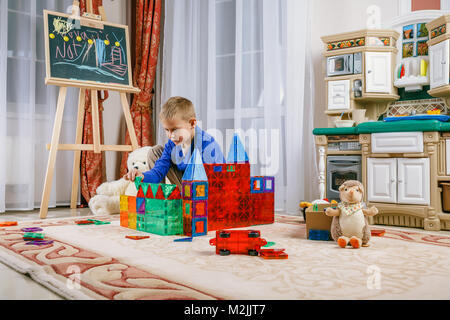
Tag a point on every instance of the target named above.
point(85, 51)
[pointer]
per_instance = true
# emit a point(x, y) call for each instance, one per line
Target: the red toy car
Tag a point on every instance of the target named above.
point(238, 242)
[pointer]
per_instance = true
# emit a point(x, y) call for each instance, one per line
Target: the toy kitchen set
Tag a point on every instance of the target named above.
point(388, 95)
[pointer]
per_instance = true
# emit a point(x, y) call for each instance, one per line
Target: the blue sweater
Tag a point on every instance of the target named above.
point(172, 154)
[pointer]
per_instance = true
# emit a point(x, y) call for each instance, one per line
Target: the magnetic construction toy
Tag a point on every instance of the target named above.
point(238, 242)
point(213, 197)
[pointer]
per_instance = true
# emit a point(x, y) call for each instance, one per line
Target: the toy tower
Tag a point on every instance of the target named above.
point(238, 184)
point(229, 190)
point(195, 197)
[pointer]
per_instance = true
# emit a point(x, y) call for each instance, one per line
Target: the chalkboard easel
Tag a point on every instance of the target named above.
point(118, 70)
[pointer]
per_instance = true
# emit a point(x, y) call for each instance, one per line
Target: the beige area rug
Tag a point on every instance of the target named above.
point(98, 262)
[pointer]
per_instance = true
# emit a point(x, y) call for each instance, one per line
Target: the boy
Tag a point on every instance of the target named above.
point(179, 121)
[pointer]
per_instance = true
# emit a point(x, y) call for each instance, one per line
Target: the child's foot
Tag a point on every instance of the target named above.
point(342, 241)
point(355, 242)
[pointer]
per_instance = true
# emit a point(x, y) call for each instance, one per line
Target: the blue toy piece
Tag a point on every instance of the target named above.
point(195, 170)
point(188, 239)
point(322, 235)
point(256, 184)
point(237, 153)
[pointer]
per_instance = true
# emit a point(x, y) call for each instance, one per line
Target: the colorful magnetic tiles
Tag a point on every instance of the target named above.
point(155, 209)
point(212, 197)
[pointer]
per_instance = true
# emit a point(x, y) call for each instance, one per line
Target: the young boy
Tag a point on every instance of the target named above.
point(179, 121)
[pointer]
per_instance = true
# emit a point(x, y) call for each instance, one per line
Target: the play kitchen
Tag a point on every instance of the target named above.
point(388, 121)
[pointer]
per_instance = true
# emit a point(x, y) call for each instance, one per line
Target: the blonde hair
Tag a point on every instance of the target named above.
point(177, 106)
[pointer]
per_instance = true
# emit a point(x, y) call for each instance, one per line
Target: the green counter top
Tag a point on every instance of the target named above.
point(391, 126)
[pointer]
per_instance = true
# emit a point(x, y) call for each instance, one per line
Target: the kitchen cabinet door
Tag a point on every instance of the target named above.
point(382, 180)
point(414, 181)
point(439, 64)
point(378, 72)
point(338, 94)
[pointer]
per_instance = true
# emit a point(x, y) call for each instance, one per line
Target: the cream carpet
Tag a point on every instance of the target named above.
point(98, 262)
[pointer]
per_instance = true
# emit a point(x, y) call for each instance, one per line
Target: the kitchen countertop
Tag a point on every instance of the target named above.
point(382, 126)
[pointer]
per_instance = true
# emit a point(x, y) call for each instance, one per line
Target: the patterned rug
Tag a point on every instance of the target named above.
point(98, 262)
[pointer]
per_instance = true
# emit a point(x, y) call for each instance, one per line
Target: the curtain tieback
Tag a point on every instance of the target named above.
point(141, 107)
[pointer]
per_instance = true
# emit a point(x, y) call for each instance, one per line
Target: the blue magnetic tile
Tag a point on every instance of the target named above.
point(236, 152)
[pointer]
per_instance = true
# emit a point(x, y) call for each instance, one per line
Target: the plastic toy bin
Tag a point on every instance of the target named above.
point(445, 196)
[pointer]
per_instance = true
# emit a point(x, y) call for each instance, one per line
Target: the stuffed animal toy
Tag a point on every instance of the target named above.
point(350, 224)
point(107, 200)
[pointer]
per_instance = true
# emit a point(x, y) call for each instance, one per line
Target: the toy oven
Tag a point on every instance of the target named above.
point(339, 170)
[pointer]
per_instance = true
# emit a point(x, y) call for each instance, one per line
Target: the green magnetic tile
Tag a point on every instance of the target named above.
point(154, 187)
point(167, 189)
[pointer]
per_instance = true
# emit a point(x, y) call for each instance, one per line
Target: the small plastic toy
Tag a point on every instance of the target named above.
point(378, 232)
point(97, 222)
point(33, 236)
point(40, 242)
point(269, 244)
point(36, 229)
point(238, 242)
point(8, 223)
point(83, 222)
point(91, 221)
point(322, 235)
point(273, 254)
point(188, 239)
point(137, 237)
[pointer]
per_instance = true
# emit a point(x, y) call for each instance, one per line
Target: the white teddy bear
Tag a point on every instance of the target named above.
point(107, 200)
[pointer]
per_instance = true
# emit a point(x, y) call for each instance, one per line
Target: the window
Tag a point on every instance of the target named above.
point(200, 190)
point(414, 40)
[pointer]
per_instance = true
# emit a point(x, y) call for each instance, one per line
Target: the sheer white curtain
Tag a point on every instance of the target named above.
point(230, 58)
point(27, 108)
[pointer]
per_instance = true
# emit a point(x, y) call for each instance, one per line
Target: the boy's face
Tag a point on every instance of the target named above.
point(179, 130)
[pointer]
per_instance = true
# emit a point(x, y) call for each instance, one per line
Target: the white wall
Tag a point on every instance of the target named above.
point(332, 17)
point(116, 11)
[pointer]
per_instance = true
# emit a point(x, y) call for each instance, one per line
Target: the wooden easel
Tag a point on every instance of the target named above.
point(54, 146)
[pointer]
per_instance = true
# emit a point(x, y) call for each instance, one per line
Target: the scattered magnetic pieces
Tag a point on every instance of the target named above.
point(35, 229)
point(39, 242)
point(8, 223)
point(137, 237)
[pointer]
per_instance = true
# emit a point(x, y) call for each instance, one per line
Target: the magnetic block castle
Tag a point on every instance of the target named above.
point(213, 197)
point(235, 198)
point(155, 209)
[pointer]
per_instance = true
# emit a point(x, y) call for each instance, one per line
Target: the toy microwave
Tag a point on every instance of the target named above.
point(344, 64)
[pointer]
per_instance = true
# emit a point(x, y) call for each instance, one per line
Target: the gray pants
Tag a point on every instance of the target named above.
point(174, 174)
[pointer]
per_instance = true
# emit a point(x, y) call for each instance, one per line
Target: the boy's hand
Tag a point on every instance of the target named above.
point(131, 175)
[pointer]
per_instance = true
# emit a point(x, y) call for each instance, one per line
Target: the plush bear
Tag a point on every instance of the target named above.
point(350, 224)
point(107, 200)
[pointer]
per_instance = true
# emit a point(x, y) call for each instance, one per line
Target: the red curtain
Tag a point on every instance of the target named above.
point(92, 164)
point(148, 19)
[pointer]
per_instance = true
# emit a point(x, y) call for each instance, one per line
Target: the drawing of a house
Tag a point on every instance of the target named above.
point(116, 64)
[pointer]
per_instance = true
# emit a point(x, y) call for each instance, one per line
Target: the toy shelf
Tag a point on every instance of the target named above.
point(442, 92)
